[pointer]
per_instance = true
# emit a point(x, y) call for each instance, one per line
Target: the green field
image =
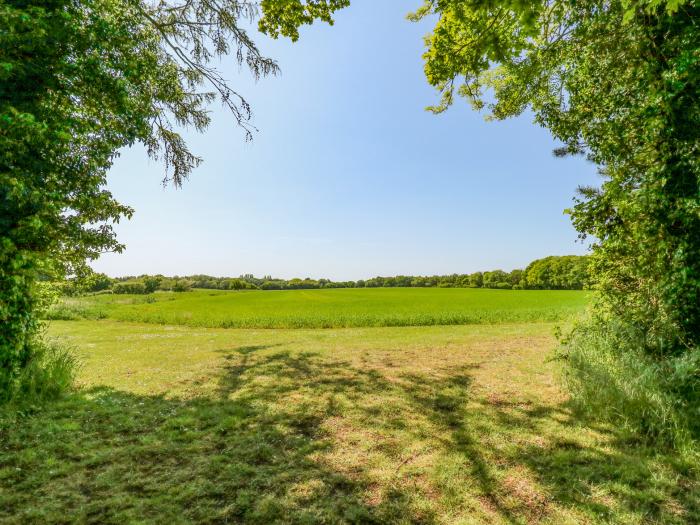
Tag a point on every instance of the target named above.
point(335, 308)
point(413, 424)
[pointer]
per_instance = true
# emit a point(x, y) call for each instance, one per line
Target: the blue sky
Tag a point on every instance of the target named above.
point(349, 176)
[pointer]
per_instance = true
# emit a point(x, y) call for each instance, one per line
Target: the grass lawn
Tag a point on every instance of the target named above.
point(331, 308)
point(429, 424)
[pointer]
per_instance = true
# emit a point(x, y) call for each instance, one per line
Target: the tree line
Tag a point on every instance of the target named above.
point(569, 272)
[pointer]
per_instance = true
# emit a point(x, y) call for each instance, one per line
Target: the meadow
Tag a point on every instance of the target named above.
point(331, 308)
point(459, 424)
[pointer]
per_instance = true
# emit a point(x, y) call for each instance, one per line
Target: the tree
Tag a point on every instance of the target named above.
point(568, 272)
point(619, 82)
point(476, 280)
point(236, 284)
point(80, 79)
point(496, 279)
point(97, 282)
point(182, 285)
point(515, 278)
point(151, 283)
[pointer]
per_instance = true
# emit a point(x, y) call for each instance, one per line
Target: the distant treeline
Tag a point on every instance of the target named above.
point(568, 272)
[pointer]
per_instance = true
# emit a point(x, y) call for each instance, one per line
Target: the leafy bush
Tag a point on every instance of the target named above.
point(612, 376)
point(97, 282)
point(151, 284)
point(234, 284)
point(182, 285)
point(131, 287)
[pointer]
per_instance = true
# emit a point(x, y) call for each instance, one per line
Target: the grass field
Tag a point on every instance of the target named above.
point(425, 424)
point(334, 308)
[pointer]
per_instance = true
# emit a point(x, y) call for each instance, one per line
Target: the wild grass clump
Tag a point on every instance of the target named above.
point(612, 377)
point(49, 372)
point(73, 310)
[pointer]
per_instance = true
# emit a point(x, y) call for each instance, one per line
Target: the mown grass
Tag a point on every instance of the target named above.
point(334, 308)
point(459, 424)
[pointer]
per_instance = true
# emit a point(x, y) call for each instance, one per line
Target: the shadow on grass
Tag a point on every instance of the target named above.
point(615, 479)
point(253, 453)
point(106, 456)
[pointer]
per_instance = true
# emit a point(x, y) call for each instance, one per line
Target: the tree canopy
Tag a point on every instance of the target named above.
point(81, 79)
point(618, 82)
point(567, 272)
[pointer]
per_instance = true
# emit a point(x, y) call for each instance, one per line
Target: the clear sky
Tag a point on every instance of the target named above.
point(349, 177)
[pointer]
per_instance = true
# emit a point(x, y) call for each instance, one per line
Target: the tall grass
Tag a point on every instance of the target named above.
point(49, 372)
point(72, 309)
point(611, 377)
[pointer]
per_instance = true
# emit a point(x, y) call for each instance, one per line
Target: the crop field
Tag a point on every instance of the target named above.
point(333, 308)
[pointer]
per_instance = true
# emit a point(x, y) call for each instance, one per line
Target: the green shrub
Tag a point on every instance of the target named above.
point(611, 376)
point(182, 285)
point(503, 286)
point(151, 284)
point(130, 287)
point(272, 285)
point(97, 282)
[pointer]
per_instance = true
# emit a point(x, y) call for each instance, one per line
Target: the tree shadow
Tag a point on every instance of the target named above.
point(107, 456)
point(613, 478)
point(254, 453)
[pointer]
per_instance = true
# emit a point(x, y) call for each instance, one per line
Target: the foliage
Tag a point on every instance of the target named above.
point(569, 272)
point(284, 17)
point(182, 285)
point(557, 273)
point(496, 279)
point(132, 287)
point(618, 82)
point(81, 79)
point(97, 282)
point(151, 284)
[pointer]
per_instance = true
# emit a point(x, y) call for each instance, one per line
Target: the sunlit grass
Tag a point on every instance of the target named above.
point(332, 308)
point(459, 424)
